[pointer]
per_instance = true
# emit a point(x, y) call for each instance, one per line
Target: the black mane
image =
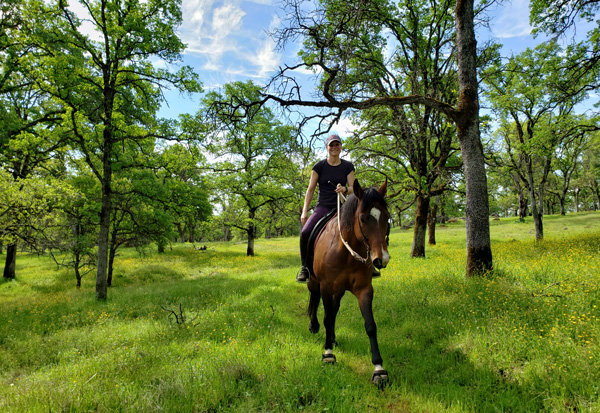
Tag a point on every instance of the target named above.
point(348, 210)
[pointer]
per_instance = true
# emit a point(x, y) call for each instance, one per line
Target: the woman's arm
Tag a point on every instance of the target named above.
point(310, 191)
point(347, 191)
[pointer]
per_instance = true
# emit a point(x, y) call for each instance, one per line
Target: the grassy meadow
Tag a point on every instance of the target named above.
point(525, 338)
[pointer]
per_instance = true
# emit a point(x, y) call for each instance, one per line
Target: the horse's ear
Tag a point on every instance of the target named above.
point(358, 191)
point(383, 188)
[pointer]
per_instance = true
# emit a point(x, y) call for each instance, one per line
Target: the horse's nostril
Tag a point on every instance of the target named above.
point(378, 263)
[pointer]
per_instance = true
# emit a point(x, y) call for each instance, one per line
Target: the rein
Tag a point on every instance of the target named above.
point(348, 247)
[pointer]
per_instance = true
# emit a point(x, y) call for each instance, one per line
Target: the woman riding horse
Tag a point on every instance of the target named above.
point(331, 175)
point(345, 253)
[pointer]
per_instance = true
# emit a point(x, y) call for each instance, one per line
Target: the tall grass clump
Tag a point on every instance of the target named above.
point(215, 330)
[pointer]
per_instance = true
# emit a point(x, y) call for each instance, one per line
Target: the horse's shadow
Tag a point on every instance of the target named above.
point(424, 357)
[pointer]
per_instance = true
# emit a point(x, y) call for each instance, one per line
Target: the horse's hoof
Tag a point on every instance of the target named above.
point(329, 358)
point(379, 378)
point(313, 327)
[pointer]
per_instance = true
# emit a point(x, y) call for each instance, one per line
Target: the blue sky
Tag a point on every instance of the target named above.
point(227, 41)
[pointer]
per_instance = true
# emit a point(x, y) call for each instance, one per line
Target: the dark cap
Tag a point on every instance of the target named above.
point(333, 137)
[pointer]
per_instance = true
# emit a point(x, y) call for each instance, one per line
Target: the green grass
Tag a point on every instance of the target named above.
point(525, 338)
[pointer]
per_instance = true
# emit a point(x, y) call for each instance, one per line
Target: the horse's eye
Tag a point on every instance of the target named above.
point(363, 219)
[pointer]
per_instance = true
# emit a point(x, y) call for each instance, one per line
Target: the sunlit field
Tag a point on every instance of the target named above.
point(214, 330)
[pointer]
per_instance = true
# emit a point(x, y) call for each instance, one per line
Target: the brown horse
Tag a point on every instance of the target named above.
point(344, 256)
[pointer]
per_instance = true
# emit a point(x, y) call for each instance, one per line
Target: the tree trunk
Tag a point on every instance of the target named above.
point(522, 211)
point(577, 191)
point(537, 222)
point(432, 221)
point(10, 262)
point(101, 270)
point(479, 250)
point(596, 191)
point(191, 229)
point(421, 212)
point(442, 208)
point(562, 201)
point(225, 233)
point(76, 231)
point(250, 249)
point(538, 214)
point(250, 233)
point(181, 232)
point(112, 253)
point(522, 206)
point(77, 273)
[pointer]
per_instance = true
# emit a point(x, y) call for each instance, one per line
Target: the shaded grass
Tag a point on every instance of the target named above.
point(525, 338)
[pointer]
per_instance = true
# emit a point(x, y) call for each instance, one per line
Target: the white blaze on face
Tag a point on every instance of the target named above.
point(376, 213)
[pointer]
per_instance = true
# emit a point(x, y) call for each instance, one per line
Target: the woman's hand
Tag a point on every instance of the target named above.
point(341, 188)
point(304, 217)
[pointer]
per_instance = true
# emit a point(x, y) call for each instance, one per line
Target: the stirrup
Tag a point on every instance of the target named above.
point(303, 275)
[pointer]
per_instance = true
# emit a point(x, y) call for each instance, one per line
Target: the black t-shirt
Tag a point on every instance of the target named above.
point(337, 175)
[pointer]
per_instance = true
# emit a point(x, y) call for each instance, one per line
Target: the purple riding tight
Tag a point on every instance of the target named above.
point(318, 213)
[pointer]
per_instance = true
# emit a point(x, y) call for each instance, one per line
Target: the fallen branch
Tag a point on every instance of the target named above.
point(180, 318)
point(542, 294)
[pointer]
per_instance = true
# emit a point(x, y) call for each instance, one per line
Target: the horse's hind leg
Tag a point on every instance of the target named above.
point(313, 305)
point(365, 302)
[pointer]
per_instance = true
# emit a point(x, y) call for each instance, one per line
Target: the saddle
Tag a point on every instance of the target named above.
point(312, 239)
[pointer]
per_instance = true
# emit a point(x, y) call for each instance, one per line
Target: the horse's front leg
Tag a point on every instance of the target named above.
point(365, 302)
point(337, 299)
point(330, 306)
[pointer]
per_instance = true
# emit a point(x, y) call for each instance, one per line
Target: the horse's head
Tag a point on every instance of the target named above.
point(372, 224)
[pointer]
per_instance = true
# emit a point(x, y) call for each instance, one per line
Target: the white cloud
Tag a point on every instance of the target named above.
point(265, 58)
point(194, 13)
point(345, 127)
point(226, 19)
point(511, 19)
point(209, 30)
point(264, 2)
point(229, 37)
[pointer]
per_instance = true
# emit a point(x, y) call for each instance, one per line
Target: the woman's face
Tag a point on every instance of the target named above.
point(334, 148)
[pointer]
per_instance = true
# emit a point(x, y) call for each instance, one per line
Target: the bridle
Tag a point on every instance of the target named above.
point(354, 254)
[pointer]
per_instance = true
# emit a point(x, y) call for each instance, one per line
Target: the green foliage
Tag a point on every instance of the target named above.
point(555, 17)
point(108, 86)
point(534, 95)
point(524, 338)
point(28, 208)
point(252, 154)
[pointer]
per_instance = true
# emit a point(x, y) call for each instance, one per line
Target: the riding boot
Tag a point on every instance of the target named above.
point(303, 274)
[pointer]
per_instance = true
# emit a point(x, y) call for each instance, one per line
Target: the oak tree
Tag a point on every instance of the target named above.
point(350, 45)
point(107, 81)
